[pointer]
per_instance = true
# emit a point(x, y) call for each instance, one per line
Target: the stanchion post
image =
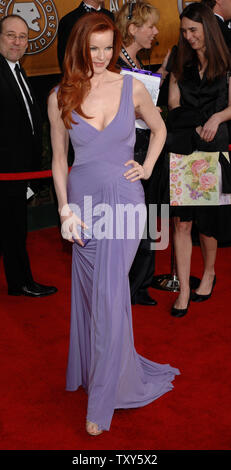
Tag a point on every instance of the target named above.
point(170, 282)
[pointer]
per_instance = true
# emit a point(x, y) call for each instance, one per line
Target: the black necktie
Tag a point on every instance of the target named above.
point(27, 96)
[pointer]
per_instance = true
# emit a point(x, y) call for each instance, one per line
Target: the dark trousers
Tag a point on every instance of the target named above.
point(13, 233)
point(142, 270)
point(143, 266)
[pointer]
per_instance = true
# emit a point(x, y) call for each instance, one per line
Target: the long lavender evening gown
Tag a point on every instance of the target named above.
point(102, 357)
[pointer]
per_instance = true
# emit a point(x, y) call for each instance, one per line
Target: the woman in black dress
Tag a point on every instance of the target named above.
point(137, 25)
point(200, 106)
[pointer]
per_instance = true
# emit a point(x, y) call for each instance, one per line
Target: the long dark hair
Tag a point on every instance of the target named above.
point(209, 3)
point(78, 67)
point(216, 51)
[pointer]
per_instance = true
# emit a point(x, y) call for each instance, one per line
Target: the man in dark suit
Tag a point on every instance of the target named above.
point(20, 150)
point(67, 22)
point(222, 11)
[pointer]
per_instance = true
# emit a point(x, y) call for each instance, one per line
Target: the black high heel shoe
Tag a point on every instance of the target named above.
point(180, 312)
point(200, 297)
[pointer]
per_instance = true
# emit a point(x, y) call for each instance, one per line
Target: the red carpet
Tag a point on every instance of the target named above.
point(37, 412)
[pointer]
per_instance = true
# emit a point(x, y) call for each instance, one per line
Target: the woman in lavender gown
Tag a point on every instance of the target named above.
point(96, 107)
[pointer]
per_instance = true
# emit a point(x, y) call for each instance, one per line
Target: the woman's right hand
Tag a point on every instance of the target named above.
point(208, 131)
point(198, 130)
point(163, 66)
point(69, 223)
point(165, 61)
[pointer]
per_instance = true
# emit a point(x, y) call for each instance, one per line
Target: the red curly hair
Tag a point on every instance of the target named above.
point(78, 67)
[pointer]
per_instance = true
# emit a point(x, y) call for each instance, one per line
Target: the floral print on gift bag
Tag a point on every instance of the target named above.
point(194, 179)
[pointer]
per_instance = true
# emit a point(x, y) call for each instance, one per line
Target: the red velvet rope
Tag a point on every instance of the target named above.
point(28, 175)
point(25, 176)
point(32, 175)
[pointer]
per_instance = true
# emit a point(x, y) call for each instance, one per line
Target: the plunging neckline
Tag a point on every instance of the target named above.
point(201, 77)
point(117, 113)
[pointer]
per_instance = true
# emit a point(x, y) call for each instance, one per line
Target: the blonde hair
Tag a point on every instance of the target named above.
point(141, 12)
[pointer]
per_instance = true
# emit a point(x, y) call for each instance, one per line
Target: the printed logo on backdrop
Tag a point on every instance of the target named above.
point(41, 17)
point(115, 4)
point(182, 4)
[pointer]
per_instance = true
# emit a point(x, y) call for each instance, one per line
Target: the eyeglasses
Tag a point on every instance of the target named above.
point(12, 37)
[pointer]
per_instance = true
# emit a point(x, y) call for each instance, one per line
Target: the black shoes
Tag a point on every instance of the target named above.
point(33, 289)
point(143, 298)
point(180, 312)
point(201, 298)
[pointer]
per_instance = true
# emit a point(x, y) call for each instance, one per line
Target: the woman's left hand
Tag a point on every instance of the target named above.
point(209, 129)
point(135, 173)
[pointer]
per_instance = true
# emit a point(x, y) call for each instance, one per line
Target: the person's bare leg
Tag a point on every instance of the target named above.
point(183, 251)
point(209, 251)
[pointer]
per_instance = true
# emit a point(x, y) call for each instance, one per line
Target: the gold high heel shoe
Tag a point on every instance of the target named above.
point(93, 429)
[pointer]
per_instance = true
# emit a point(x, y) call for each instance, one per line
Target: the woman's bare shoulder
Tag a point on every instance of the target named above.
point(138, 86)
point(54, 112)
point(52, 98)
